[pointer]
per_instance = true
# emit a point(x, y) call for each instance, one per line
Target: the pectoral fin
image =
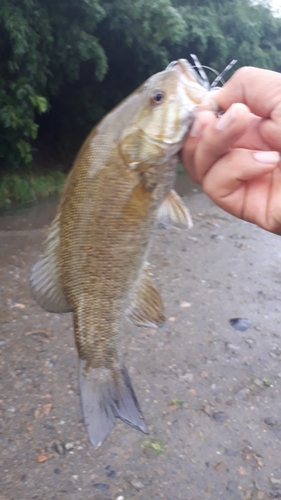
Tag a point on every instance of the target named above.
point(173, 212)
point(146, 308)
point(45, 280)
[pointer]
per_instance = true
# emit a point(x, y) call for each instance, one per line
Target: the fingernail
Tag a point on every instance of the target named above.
point(226, 119)
point(267, 156)
point(196, 128)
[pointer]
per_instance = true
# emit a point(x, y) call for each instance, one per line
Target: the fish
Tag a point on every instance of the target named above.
point(95, 259)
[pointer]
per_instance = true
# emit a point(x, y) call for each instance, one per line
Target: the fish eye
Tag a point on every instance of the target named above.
point(157, 97)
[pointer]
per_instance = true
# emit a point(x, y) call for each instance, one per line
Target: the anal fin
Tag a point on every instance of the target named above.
point(146, 307)
point(173, 212)
point(46, 286)
point(107, 394)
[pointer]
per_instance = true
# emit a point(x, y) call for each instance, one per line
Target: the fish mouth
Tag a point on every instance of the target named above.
point(190, 80)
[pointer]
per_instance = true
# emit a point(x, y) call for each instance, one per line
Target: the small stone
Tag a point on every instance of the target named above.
point(240, 324)
point(188, 377)
point(58, 447)
point(258, 382)
point(208, 410)
point(220, 467)
point(230, 453)
point(275, 493)
point(231, 486)
point(248, 495)
point(217, 237)
point(260, 495)
point(250, 342)
point(120, 498)
point(111, 473)
point(275, 481)
point(69, 446)
point(185, 304)
point(42, 458)
point(242, 471)
point(243, 394)
point(270, 421)
point(57, 471)
point(102, 487)
point(219, 416)
point(232, 347)
point(138, 485)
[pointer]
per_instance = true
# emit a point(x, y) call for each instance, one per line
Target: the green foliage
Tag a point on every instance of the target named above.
point(73, 60)
point(18, 104)
point(27, 186)
point(42, 45)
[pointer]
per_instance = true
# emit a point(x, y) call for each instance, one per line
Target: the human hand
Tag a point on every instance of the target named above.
point(236, 158)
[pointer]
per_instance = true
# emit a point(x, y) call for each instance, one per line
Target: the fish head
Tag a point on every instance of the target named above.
point(166, 107)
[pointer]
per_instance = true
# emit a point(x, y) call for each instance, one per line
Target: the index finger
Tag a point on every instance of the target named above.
point(259, 89)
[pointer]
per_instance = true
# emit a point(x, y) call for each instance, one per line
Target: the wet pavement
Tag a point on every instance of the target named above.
point(210, 393)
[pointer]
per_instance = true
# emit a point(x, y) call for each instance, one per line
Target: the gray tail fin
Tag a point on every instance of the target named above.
point(107, 394)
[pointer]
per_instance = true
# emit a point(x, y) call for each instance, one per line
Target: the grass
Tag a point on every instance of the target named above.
point(176, 402)
point(156, 445)
point(27, 186)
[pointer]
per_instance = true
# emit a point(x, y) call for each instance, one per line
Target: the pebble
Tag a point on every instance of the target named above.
point(217, 237)
point(231, 486)
point(243, 394)
point(208, 410)
point(275, 493)
point(219, 416)
point(58, 447)
point(270, 421)
point(240, 324)
point(69, 446)
point(232, 347)
point(250, 342)
point(230, 453)
point(188, 377)
point(275, 481)
point(258, 382)
point(110, 472)
point(102, 487)
point(133, 481)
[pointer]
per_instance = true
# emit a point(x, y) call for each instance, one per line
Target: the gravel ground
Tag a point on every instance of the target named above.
point(210, 393)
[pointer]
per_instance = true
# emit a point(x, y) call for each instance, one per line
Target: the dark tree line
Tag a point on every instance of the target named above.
point(63, 64)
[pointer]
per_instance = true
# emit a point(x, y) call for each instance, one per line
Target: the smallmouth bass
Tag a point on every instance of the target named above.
point(96, 247)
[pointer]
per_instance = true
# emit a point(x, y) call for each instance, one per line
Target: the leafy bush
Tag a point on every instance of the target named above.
point(27, 186)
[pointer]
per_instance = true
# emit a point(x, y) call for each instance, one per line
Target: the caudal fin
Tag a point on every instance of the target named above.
point(107, 394)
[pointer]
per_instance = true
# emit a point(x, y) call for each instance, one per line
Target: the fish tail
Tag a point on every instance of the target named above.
point(106, 394)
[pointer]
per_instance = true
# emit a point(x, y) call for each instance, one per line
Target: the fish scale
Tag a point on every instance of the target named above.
point(96, 250)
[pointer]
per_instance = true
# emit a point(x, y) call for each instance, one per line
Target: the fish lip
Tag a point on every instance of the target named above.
point(184, 67)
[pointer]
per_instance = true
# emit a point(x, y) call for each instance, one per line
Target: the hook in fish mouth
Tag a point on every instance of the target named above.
point(200, 74)
point(202, 77)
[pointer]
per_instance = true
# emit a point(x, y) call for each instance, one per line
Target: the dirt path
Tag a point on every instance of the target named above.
point(210, 394)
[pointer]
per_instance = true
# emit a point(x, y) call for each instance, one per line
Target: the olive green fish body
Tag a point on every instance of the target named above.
point(94, 263)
